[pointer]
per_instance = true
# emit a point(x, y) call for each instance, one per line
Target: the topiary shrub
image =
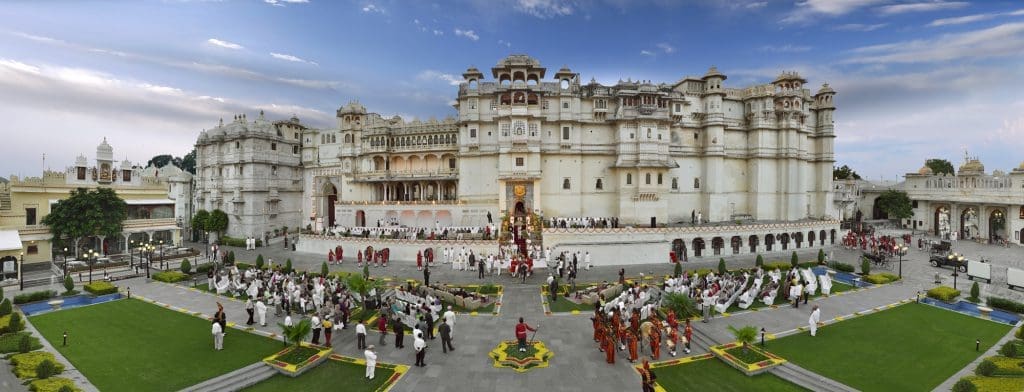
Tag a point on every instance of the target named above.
point(1020, 331)
point(677, 271)
point(821, 256)
point(1007, 305)
point(100, 288)
point(231, 257)
point(1009, 349)
point(964, 385)
point(975, 293)
point(259, 261)
point(69, 284)
point(323, 269)
point(5, 307)
point(25, 344)
point(25, 364)
point(186, 267)
point(46, 369)
point(170, 276)
point(288, 266)
point(865, 266)
point(15, 324)
point(985, 368)
point(759, 261)
point(793, 260)
point(944, 293)
point(721, 267)
point(53, 384)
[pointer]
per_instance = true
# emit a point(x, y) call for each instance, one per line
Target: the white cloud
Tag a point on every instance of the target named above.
point(431, 75)
point(545, 8)
point(438, 32)
point(647, 53)
point(788, 48)
point(972, 18)
point(807, 10)
point(294, 59)
point(19, 66)
point(896, 9)
point(281, 3)
point(371, 8)
point(999, 41)
point(859, 27)
point(756, 5)
point(162, 89)
point(467, 33)
point(504, 43)
point(665, 47)
point(224, 44)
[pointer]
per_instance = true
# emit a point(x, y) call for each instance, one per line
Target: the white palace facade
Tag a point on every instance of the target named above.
point(526, 141)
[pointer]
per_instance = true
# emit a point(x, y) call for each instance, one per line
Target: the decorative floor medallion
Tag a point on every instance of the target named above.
point(507, 354)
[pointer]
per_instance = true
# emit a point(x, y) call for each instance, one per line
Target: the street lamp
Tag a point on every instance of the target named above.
point(21, 279)
point(131, 253)
point(901, 250)
point(92, 259)
point(65, 263)
point(162, 254)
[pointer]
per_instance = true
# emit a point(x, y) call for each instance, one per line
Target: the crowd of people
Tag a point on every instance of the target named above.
point(631, 322)
point(583, 222)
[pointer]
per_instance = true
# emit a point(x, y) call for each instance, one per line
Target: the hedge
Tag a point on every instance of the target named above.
point(777, 265)
point(5, 307)
point(170, 276)
point(9, 343)
point(34, 296)
point(843, 267)
point(203, 268)
point(5, 322)
point(25, 364)
point(1007, 366)
point(100, 288)
point(944, 293)
point(997, 384)
point(1005, 304)
point(239, 242)
point(52, 384)
point(880, 278)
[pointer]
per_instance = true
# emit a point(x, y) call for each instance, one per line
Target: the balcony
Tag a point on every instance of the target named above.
point(389, 175)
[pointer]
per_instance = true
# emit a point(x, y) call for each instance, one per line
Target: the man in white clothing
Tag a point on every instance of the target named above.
point(586, 259)
point(218, 337)
point(371, 361)
point(449, 318)
point(261, 312)
point(813, 321)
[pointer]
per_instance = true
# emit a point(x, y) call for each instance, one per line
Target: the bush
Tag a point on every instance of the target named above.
point(997, 384)
point(25, 364)
point(1007, 305)
point(259, 261)
point(793, 260)
point(34, 296)
point(5, 322)
point(1009, 349)
point(5, 307)
point(69, 284)
point(964, 385)
point(1020, 331)
point(821, 256)
point(100, 288)
point(985, 368)
point(323, 269)
point(880, 278)
point(170, 276)
point(186, 267)
point(288, 266)
point(12, 342)
point(721, 267)
point(25, 344)
point(1006, 366)
point(944, 293)
point(46, 369)
point(759, 261)
point(865, 266)
point(677, 270)
point(779, 265)
point(15, 324)
point(843, 267)
point(204, 268)
point(975, 293)
point(231, 257)
point(53, 384)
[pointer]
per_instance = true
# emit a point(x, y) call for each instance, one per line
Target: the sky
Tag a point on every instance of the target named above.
point(915, 79)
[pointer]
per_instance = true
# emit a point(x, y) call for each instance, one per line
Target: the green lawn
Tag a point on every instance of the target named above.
point(561, 304)
point(912, 347)
point(331, 376)
point(714, 375)
point(131, 345)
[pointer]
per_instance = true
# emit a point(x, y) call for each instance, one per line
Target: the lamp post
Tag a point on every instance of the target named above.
point(65, 263)
point(92, 259)
point(901, 250)
point(131, 253)
point(149, 258)
point(21, 279)
point(162, 254)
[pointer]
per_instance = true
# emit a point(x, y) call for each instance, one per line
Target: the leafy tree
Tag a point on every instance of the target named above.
point(85, 212)
point(896, 204)
point(259, 261)
point(964, 385)
point(69, 284)
point(217, 222)
point(721, 267)
point(975, 293)
point(46, 369)
point(160, 160)
point(199, 219)
point(844, 173)
point(794, 260)
point(5, 307)
point(939, 166)
point(745, 335)
point(296, 333)
point(821, 256)
point(188, 162)
point(677, 270)
point(288, 266)
point(15, 323)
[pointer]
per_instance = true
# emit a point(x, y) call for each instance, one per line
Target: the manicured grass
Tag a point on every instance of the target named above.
point(912, 347)
point(561, 304)
point(746, 356)
point(131, 345)
point(714, 375)
point(330, 376)
point(298, 355)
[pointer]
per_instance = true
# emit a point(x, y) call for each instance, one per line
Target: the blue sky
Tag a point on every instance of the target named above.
point(915, 79)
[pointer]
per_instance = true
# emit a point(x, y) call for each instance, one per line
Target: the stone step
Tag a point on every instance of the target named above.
point(236, 380)
point(804, 378)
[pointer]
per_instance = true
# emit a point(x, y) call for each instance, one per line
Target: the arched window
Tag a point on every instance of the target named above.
point(599, 185)
point(629, 178)
point(647, 179)
point(675, 183)
point(472, 84)
point(659, 178)
point(696, 183)
point(565, 184)
point(565, 84)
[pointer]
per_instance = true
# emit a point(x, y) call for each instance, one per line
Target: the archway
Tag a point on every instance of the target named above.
point(698, 246)
point(360, 218)
point(832, 236)
point(941, 222)
point(810, 238)
point(969, 227)
point(679, 248)
point(877, 212)
point(821, 236)
point(330, 196)
point(717, 244)
point(736, 243)
point(425, 219)
point(520, 209)
point(785, 241)
point(769, 242)
point(799, 238)
point(997, 226)
point(753, 242)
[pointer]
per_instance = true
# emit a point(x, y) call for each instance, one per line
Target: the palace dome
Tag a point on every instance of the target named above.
point(713, 72)
point(925, 171)
point(972, 166)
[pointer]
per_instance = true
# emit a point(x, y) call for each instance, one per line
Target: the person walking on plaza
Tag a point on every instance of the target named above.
point(449, 317)
point(688, 335)
point(261, 312)
point(328, 329)
point(218, 336)
point(399, 329)
point(221, 318)
point(360, 335)
point(521, 329)
point(446, 336)
point(647, 377)
point(316, 329)
point(250, 309)
point(429, 320)
point(426, 276)
point(814, 320)
point(382, 327)
point(420, 346)
point(371, 361)
point(479, 267)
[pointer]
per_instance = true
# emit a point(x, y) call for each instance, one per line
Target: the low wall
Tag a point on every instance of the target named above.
point(401, 250)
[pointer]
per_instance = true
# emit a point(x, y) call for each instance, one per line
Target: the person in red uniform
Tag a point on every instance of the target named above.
point(359, 258)
point(655, 344)
point(632, 340)
point(673, 340)
point(330, 257)
point(634, 321)
point(647, 377)
point(609, 348)
point(521, 329)
point(419, 260)
point(672, 322)
point(596, 320)
point(688, 334)
point(339, 254)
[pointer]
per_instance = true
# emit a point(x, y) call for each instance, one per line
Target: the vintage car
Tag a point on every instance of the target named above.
point(956, 261)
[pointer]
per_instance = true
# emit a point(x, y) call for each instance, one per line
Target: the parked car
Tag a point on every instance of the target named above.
point(956, 261)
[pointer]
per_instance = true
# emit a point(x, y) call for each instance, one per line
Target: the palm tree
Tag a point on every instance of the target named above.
point(681, 304)
point(296, 333)
point(745, 335)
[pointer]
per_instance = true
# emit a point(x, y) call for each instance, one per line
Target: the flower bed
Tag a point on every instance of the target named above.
point(507, 354)
point(9, 342)
point(880, 278)
point(1007, 366)
point(296, 360)
point(997, 384)
point(732, 353)
point(25, 364)
point(100, 288)
point(52, 384)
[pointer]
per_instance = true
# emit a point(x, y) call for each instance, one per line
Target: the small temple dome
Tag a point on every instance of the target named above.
point(925, 171)
point(713, 72)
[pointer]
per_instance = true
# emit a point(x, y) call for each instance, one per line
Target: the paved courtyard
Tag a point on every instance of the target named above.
point(577, 364)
